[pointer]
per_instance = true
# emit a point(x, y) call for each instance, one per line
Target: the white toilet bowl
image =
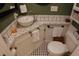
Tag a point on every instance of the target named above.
point(56, 48)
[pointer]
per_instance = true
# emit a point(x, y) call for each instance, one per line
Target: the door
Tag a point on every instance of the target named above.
point(24, 45)
point(4, 49)
point(39, 33)
point(24, 48)
point(48, 33)
point(57, 31)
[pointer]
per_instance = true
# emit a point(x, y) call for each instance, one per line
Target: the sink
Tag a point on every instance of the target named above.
point(25, 20)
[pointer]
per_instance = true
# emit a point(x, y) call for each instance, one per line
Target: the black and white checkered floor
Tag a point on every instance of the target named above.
point(41, 51)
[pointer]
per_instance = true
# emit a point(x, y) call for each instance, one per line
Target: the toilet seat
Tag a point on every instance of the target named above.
point(56, 47)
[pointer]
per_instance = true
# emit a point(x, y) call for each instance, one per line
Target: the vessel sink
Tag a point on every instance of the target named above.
point(25, 20)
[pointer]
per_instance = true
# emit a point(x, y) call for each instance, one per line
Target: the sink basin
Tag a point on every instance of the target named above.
point(25, 20)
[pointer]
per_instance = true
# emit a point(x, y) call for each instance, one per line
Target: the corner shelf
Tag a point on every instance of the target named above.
point(73, 14)
point(74, 19)
point(76, 8)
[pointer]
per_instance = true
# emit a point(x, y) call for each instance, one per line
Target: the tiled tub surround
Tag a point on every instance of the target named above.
point(72, 38)
point(55, 20)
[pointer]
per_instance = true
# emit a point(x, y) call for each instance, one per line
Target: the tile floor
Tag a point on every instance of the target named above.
point(41, 51)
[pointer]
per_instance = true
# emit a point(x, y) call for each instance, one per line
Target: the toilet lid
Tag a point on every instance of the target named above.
point(56, 47)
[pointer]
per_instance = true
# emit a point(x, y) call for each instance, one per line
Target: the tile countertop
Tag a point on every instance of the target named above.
point(21, 30)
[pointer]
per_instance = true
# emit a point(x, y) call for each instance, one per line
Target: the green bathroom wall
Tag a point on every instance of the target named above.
point(35, 9)
point(77, 5)
point(76, 25)
point(63, 9)
point(6, 7)
point(6, 20)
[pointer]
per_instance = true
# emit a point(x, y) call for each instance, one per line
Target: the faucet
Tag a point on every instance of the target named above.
point(15, 15)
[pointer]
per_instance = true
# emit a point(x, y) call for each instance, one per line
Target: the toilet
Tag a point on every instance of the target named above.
point(56, 48)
